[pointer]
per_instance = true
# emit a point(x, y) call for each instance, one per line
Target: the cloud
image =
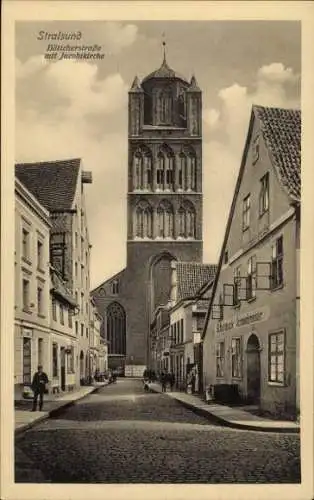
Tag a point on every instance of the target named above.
point(277, 73)
point(79, 119)
point(117, 36)
point(274, 85)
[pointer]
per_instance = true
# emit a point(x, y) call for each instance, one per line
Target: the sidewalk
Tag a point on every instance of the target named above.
point(25, 418)
point(230, 417)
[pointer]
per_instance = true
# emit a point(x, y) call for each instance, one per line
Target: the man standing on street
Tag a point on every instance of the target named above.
point(39, 382)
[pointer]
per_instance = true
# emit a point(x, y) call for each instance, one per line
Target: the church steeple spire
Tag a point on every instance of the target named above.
point(164, 62)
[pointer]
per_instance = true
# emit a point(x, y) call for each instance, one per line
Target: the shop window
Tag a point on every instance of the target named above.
point(276, 357)
point(251, 278)
point(236, 358)
point(54, 360)
point(246, 213)
point(277, 263)
point(220, 359)
point(27, 360)
point(70, 360)
point(264, 195)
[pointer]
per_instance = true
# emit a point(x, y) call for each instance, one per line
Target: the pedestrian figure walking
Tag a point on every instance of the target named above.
point(39, 382)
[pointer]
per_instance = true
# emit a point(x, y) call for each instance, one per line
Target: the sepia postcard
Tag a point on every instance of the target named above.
point(157, 284)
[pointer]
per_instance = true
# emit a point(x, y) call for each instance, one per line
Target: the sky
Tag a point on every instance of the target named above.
point(71, 109)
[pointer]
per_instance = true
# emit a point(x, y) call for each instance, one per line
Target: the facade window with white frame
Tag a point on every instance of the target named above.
point(39, 300)
point(61, 308)
point(54, 309)
point(276, 357)
point(25, 243)
point(264, 195)
point(25, 294)
point(236, 357)
point(40, 247)
point(277, 263)
point(220, 359)
point(246, 213)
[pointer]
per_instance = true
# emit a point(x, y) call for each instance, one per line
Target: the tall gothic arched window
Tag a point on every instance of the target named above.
point(169, 180)
point(186, 221)
point(137, 170)
point(165, 220)
point(190, 181)
point(182, 171)
point(181, 222)
point(142, 169)
point(143, 221)
point(161, 161)
point(116, 328)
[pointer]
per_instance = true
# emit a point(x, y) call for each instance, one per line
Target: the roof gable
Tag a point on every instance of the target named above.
point(53, 183)
point(281, 129)
point(286, 160)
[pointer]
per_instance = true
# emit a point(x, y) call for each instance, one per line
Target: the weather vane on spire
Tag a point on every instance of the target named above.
point(164, 45)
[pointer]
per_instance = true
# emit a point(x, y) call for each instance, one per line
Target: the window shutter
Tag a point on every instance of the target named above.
point(228, 294)
point(242, 288)
point(263, 275)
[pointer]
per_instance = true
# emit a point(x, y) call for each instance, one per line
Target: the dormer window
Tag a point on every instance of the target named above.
point(255, 149)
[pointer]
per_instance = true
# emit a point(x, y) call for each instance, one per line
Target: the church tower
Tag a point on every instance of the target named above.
point(164, 199)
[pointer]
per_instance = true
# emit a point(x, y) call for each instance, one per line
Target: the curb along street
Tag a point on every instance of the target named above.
point(253, 425)
point(54, 412)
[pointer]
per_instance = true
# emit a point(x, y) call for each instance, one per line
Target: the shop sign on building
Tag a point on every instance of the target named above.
point(239, 320)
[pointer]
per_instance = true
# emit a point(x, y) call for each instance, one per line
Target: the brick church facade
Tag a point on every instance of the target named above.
point(164, 211)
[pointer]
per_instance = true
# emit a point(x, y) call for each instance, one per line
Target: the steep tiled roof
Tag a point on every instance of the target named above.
point(53, 183)
point(281, 130)
point(191, 276)
point(59, 288)
point(164, 72)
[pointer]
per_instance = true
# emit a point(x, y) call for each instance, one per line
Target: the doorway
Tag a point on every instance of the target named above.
point(62, 364)
point(253, 370)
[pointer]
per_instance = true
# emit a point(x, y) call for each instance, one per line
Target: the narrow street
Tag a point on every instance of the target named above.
point(122, 435)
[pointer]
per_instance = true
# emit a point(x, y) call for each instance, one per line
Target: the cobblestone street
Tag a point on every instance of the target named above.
point(122, 435)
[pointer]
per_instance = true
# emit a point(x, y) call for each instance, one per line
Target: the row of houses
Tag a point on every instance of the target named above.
point(238, 329)
point(56, 322)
